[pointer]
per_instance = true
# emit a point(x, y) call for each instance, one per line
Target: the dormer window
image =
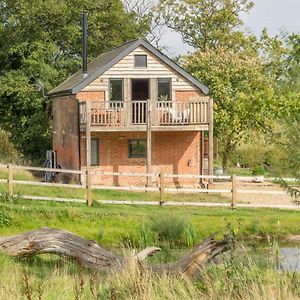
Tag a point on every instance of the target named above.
point(140, 61)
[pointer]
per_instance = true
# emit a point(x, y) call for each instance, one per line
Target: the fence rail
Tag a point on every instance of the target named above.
point(161, 188)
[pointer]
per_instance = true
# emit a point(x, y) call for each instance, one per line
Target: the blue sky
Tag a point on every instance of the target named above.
point(275, 15)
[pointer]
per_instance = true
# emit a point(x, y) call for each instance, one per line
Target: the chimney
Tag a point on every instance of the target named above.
point(84, 45)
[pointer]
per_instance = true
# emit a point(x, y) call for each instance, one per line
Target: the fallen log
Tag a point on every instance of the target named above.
point(89, 253)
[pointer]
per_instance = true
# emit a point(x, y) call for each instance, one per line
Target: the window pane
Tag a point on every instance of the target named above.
point(94, 152)
point(140, 60)
point(116, 89)
point(137, 148)
point(164, 89)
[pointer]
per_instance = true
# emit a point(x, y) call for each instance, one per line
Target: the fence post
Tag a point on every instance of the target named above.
point(89, 197)
point(10, 180)
point(161, 188)
point(234, 192)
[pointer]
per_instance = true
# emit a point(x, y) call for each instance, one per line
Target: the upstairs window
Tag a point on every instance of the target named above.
point(140, 61)
point(116, 89)
point(164, 89)
point(137, 148)
point(116, 93)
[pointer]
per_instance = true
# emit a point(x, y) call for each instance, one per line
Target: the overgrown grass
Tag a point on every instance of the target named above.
point(238, 277)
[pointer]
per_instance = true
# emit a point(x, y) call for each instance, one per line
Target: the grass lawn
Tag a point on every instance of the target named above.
point(50, 277)
point(112, 225)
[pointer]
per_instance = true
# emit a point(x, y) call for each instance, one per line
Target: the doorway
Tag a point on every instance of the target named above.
point(140, 95)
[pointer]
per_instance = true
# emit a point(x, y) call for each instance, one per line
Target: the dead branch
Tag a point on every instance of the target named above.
point(89, 253)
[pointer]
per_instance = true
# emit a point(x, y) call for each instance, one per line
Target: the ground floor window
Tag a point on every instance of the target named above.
point(94, 152)
point(137, 148)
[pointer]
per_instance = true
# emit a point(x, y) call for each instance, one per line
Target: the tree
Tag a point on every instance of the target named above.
point(205, 24)
point(40, 46)
point(243, 95)
point(242, 71)
point(289, 115)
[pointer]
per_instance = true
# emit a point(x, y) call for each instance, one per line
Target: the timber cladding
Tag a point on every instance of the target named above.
point(155, 69)
point(172, 152)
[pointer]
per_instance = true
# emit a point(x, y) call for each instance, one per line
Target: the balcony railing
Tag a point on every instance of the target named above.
point(134, 113)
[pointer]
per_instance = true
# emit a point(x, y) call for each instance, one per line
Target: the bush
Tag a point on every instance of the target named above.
point(168, 228)
point(8, 152)
point(258, 170)
point(173, 230)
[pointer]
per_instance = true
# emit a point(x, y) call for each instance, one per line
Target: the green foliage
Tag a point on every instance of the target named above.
point(8, 152)
point(243, 95)
point(190, 235)
point(41, 47)
point(258, 170)
point(205, 24)
point(172, 230)
point(147, 236)
point(168, 228)
point(251, 153)
point(5, 220)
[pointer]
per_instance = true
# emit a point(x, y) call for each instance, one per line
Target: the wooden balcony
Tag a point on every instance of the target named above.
point(134, 115)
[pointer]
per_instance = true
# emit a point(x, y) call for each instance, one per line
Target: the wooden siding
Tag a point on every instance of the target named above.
point(155, 69)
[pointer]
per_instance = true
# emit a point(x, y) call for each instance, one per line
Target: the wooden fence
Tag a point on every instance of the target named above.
point(162, 189)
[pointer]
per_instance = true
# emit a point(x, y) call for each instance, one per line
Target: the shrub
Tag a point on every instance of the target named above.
point(258, 170)
point(172, 230)
point(8, 152)
point(168, 228)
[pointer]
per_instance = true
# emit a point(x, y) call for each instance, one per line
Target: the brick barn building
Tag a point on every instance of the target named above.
point(134, 110)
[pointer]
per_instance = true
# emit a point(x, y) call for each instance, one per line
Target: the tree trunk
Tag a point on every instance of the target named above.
point(89, 253)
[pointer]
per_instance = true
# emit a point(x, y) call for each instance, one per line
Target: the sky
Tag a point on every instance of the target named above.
point(275, 15)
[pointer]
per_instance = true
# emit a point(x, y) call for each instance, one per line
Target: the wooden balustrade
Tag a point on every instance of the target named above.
point(164, 113)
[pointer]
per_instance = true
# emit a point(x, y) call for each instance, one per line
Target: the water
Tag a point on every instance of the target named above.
point(289, 259)
point(287, 255)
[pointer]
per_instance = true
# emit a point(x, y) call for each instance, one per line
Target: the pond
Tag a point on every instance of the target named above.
point(290, 259)
point(284, 256)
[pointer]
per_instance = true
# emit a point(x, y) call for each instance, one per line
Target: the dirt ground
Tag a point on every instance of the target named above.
point(255, 197)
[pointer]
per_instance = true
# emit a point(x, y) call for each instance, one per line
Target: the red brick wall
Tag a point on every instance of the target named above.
point(65, 131)
point(100, 95)
point(172, 152)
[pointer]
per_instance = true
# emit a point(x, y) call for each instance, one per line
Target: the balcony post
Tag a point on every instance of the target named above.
point(153, 100)
point(127, 102)
point(210, 141)
point(149, 142)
